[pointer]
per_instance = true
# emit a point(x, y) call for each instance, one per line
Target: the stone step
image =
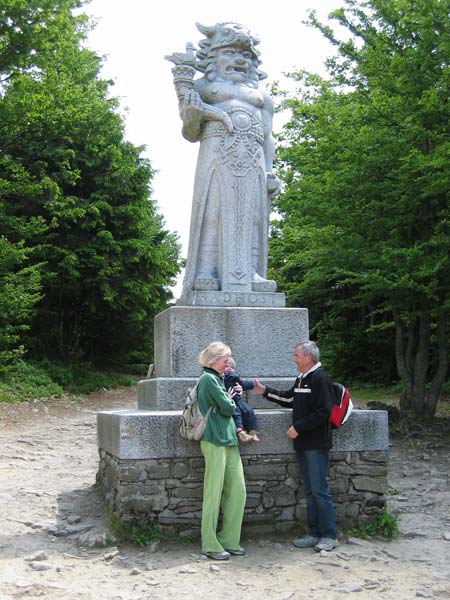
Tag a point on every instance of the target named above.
point(169, 393)
point(142, 434)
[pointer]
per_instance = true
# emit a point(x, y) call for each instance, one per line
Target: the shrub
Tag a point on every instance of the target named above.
point(24, 381)
point(383, 525)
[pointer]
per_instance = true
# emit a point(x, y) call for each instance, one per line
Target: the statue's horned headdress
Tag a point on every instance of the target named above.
point(222, 35)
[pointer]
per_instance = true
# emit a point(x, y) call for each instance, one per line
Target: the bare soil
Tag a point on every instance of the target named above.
point(50, 510)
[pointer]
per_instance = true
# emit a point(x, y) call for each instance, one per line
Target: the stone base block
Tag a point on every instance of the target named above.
point(254, 334)
point(140, 434)
point(170, 393)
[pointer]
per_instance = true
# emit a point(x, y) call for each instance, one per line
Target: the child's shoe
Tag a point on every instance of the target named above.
point(254, 435)
point(244, 437)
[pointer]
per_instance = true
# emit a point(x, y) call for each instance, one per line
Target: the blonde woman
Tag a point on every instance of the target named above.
point(224, 484)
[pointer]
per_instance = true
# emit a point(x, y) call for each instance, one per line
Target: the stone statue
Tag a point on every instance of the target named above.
point(231, 116)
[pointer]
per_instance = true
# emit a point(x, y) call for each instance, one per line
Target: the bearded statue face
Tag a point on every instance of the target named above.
point(229, 53)
point(233, 64)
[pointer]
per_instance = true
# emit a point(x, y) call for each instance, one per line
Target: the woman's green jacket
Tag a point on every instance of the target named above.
point(220, 429)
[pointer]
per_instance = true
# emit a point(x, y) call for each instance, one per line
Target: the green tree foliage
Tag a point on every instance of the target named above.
point(365, 231)
point(76, 194)
point(19, 292)
point(31, 28)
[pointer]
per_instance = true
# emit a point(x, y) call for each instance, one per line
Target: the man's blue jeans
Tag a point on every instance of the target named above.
point(319, 504)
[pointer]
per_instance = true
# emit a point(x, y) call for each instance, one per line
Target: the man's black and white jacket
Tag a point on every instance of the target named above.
point(311, 401)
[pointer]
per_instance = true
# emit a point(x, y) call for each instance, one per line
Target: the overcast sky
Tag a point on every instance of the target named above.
point(135, 35)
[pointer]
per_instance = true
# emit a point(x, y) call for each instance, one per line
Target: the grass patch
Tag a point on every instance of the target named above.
point(83, 378)
point(24, 381)
point(383, 525)
point(362, 394)
point(115, 525)
point(145, 534)
point(443, 406)
point(27, 380)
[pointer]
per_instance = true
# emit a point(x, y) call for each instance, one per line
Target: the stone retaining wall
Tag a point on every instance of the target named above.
point(158, 478)
point(169, 491)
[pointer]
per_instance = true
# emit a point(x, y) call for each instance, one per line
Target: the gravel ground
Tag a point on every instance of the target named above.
point(54, 528)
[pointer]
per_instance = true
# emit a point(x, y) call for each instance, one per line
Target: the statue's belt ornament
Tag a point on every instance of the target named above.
point(244, 124)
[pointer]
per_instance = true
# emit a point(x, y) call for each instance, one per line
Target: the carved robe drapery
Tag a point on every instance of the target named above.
point(230, 209)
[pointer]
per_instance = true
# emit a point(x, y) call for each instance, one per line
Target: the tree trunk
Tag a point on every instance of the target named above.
point(403, 357)
point(421, 364)
point(443, 363)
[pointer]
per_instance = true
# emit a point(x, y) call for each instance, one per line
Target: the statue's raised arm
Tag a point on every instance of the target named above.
point(231, 116)
point(192, 110)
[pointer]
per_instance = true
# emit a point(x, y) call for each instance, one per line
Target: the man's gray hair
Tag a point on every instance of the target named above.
point(310, 349)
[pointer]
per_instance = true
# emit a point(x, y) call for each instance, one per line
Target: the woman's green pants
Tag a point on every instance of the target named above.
point(223, 487)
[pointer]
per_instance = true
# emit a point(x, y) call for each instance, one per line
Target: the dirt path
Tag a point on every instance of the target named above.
point(50, 514)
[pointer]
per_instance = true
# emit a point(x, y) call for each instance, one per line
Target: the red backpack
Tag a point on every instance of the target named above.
point(342, 405)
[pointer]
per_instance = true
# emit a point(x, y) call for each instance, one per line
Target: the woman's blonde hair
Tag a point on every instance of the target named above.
point(213, 352)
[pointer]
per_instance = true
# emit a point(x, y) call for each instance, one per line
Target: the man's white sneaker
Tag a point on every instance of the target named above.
point(327, 544)
point(307, 541)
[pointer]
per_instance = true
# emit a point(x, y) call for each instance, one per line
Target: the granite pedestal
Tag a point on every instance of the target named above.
point(261, 339)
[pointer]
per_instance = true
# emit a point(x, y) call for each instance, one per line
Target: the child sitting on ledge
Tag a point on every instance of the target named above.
point(244, 416)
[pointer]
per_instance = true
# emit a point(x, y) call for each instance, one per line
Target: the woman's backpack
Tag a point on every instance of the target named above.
point(193, 423)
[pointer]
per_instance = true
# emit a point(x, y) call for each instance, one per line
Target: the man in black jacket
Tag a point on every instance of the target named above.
point(311, 401)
